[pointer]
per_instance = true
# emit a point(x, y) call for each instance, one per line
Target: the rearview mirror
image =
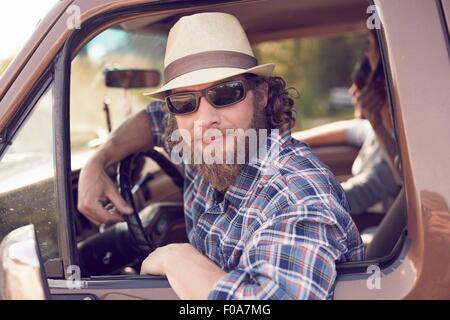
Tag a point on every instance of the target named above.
point(21, 276)
point(131, 78)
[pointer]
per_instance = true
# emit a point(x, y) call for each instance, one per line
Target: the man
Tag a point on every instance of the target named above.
point(271, 227)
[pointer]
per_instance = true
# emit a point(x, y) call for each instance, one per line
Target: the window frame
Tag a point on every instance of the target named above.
point(444, 14)
point(403, 242)
point(101, 22)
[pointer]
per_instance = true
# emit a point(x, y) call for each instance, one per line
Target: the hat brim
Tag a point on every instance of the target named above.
point(203, 76)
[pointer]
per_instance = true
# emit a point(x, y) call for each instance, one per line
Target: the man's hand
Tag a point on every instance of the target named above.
point(191, 274)
point(95, 188)
point(156, 262)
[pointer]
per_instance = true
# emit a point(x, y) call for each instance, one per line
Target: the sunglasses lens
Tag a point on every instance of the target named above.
point(181, 103)
point(226, 93)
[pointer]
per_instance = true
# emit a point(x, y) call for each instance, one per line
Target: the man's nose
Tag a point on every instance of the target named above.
point(207, 115)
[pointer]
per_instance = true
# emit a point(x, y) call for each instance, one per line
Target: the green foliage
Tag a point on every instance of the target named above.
point(313, 66)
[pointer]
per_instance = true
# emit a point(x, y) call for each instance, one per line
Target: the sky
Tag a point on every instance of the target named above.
point(18, 20)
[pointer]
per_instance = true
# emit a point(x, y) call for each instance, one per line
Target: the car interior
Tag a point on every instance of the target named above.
point(116, 61)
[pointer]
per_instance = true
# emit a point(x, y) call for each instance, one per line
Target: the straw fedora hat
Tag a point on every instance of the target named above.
point(207, 47)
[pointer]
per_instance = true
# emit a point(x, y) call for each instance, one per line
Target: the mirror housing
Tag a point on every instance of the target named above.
point(21, 273)
point(131, 78)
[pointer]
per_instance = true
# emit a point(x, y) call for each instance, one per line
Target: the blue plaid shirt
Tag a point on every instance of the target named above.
point(278, 231)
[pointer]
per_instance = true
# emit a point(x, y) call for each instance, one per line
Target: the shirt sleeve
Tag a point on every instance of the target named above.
point(370, 186)
point(157, 122)
point(357, 131)
point(290, 257)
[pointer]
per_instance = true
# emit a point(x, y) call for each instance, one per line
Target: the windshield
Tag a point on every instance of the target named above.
point(112, 49)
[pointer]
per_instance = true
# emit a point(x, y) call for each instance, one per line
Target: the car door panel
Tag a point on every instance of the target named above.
point(116, 288)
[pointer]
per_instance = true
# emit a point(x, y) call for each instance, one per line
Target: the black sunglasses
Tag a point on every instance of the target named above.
point(220, 95)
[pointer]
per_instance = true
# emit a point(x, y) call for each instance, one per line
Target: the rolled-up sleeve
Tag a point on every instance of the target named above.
point(357, 131)
point(292, 256)
point(369, 187)
point(157, 122)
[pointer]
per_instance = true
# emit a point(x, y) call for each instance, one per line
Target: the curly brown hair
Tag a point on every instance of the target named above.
point(280, 111)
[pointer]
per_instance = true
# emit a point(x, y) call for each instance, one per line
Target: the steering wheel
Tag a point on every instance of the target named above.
point(143, 242)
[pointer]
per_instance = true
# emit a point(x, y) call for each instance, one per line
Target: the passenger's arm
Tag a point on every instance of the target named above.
point(328, 134)
point(95, 186)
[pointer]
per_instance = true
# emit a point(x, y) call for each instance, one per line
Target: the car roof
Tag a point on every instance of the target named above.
point(274, 21)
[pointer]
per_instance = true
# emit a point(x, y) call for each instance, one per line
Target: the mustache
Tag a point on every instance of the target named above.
point(211, 134)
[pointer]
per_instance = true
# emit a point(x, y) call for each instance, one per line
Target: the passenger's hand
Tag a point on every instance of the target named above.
point(95, 188)
point(371, 99)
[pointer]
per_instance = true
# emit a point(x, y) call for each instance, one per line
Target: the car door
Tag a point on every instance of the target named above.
point(392, 277)
point(417, 69)
point(64, 277)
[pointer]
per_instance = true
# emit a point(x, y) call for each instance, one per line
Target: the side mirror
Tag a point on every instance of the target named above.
point(21, 273)
point(131, 78)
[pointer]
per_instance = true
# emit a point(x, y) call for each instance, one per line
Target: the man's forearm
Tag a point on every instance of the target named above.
point(131, 136)
point(191, 274)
